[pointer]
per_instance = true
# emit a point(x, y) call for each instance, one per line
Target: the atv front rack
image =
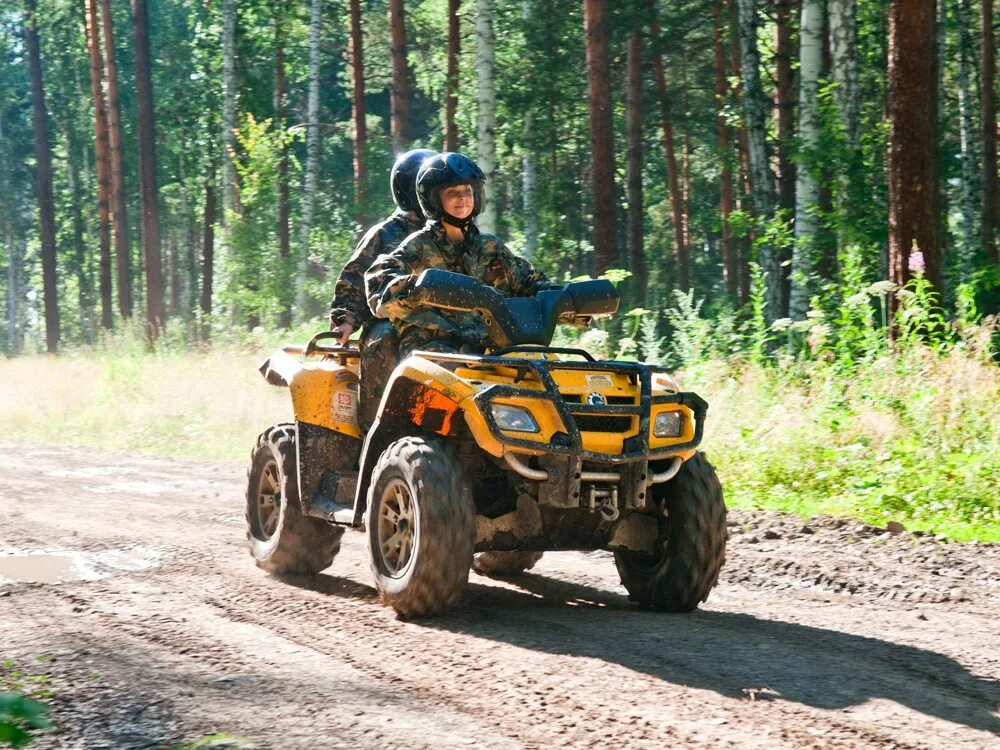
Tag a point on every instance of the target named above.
point(570, 443)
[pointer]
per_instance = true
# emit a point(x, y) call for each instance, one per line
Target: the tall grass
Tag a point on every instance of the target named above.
point(821, 416)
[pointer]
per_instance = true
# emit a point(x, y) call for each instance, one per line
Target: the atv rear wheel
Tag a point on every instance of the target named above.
point(692, 543)
point(494, 563)
point(421, 527)
point(281, 539)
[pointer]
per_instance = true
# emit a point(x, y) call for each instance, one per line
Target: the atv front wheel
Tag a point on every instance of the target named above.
point(281, 539)
point(494, 563)
point(692, 542)
point(421, 527)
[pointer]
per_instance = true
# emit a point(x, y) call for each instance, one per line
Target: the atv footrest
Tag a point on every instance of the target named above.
point(332, 511)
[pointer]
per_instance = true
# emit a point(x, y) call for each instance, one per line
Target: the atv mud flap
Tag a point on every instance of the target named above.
point(327, 472)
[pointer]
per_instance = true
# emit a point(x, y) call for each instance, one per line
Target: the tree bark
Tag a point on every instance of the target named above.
point(806, 180)
point(602, 152)
point(173, 273)
point(912, 159)
point(399, 93)
point(730, 272)
point(529, 166)
point(451, 79)
point(360, 113)
point(103, 166)
point(284, 207)
point(967, 142)
point(991, 195)
point(681, 254)
point(784, 102)
point(633, 166)
point(43, 177)
point(13, 290)
point(486, 111)
point(208, 251)
point(761, 181)
point(155, 311)
point(847, 95)
point(228, 115)
point(119, 203)
point(312, 153)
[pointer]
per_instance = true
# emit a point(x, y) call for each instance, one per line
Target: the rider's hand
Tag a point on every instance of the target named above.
point(344, 331)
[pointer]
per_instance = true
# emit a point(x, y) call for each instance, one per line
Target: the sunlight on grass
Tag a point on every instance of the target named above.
point(913, 438)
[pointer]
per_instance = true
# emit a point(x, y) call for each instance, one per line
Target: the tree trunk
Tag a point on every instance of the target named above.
point(847, 95)
point(602, 151)
point(119, 204)
point(208, 252)
point(284, 209)
point(486, 110)
point(451, 79)
point(681, 254)
point(360, 113)
point(967, 142)
point(991, 196)
point(760, 172)
point(312, 154)
point(806, 180)
point(912, 159)
point(228, 115)
point(730, 272)
point(633, 166)
point(43, 175)
point(784, 102)
point(399, 93)
point(13, 290)
point(529, 166)
point(173, 273)
point(155, 311)
point(103, 166)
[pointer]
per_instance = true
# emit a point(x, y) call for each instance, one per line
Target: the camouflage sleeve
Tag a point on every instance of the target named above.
point(349, 303)
point(389, 282)
point(511, 274)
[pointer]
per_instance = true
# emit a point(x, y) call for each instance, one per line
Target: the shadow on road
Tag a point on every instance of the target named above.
point(732, 654)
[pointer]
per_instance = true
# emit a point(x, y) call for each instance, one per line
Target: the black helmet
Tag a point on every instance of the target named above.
point(446, 169)
point(403, 178)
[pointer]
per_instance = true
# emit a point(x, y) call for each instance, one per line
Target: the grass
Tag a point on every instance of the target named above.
point(913, 438)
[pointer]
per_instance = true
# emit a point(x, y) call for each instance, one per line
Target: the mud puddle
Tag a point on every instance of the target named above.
point(63, 565)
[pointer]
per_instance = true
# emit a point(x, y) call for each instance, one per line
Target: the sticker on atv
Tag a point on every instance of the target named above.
point(596, 382)
point(345, 407)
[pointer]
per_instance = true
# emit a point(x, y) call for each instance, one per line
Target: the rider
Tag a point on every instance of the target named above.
point(349, 309)
point(450, 193)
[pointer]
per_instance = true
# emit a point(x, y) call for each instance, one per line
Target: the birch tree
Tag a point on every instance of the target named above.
point(991, 195)
point(486, 110)
point(967, 140)
point(806, 181)
point(847, 95)
point(312, 160)
point(761, 181)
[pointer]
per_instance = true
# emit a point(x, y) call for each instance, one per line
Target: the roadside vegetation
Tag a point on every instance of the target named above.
point(825, 416)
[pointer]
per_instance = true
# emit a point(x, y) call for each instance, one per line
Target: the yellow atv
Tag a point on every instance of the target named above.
point(485, 461)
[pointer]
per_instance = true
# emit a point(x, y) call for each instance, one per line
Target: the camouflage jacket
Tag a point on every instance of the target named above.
point(349, 304)
point(481, 256)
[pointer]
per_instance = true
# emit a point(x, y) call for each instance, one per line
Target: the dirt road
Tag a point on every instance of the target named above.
point(155, 628)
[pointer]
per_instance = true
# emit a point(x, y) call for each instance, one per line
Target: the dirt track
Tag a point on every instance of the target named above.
point(832, 636)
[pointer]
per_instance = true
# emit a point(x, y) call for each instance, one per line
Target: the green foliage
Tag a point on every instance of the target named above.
point(19, 717)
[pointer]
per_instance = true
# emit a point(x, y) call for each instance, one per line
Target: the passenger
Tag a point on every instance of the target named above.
point(450, 193)
point(349, 309)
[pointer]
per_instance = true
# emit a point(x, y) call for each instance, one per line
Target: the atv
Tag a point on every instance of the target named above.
point(485, 461)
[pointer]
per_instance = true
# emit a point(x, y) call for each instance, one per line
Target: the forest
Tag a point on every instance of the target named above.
point(797, 198)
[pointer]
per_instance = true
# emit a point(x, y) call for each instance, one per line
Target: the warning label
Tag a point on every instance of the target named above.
point(599, 381)
point(345, 407)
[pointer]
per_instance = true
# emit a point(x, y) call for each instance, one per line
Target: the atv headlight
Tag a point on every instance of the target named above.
point(668, 424)
point(514, 418)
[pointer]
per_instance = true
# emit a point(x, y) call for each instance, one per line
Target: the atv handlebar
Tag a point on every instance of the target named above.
point(515, 320)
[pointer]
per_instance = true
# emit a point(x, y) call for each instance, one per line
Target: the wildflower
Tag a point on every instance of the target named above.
point(881, 287)
point(916, 262)
point(781, 324)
